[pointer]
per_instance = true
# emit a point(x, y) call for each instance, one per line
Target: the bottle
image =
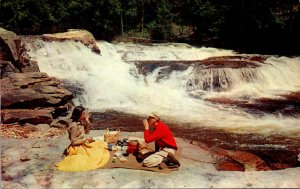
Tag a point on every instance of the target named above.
point(112, 147)
point(109, 147)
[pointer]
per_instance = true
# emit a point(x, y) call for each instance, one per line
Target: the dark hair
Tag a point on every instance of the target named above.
point(77, 113)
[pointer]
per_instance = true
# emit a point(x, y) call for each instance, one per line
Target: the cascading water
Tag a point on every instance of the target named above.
point(111, 82)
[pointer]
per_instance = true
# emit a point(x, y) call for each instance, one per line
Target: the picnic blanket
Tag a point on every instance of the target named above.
point(132, 163)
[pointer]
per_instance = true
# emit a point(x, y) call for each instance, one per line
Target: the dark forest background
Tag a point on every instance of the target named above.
point(250, 26)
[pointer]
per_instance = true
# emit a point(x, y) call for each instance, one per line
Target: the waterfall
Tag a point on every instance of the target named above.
point(220, 79)
point(110, 82)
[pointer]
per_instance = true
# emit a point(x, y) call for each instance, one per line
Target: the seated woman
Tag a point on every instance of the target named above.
point(83, 153)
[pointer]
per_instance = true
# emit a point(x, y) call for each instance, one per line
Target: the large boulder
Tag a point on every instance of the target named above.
point(234, 62)
point(83, 36)
point(13, 55)
point(32, 89)
point(10, 44)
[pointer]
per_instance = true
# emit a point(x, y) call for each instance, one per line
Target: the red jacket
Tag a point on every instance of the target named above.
point(162, 136)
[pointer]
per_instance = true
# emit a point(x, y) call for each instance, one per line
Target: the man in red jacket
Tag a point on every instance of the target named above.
point(165, 144)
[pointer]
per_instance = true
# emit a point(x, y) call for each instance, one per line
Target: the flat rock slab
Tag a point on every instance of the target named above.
point(32, 89)
point(196, 171)
point(27, 116)
point(83, 36)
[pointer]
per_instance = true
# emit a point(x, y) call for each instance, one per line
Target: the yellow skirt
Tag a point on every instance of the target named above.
point(84, 157)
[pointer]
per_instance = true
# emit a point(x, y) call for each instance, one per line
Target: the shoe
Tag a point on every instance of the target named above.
point(167, 164)
point(162, 165)
point(172, 160)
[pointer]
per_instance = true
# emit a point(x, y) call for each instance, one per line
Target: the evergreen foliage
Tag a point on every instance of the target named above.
point(252, 26)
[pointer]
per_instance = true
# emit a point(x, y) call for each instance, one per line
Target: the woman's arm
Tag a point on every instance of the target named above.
point(87, 124)
point(87, 127)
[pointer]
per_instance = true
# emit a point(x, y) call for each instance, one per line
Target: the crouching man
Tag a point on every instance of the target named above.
point(165, 144)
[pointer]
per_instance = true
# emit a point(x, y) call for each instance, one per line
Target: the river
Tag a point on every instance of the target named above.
point(112, 81)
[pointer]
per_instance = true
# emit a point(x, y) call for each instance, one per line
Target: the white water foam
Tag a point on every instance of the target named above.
point(111, 84)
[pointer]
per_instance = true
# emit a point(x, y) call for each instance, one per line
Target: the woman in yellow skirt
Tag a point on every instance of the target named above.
point(83, 153)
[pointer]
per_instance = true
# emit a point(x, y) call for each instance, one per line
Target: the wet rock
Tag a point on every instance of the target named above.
point(235, 62)
point(109, 119)
point(226, 101)
point(217, 79)
point(277, 158)
point(278, 166)
point(229, 166)
point(83, 36)
point(288, 104)
point(34, 89)
point(250, 161)
point(211, 74)
point(261, 59)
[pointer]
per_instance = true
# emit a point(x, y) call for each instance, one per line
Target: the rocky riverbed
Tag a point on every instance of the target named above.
point(29, 163)
point(35, 108)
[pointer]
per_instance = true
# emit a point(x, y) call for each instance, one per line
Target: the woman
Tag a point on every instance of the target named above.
point(83, 153)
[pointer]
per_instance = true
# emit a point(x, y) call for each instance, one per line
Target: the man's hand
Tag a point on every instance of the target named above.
point(146, 124)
